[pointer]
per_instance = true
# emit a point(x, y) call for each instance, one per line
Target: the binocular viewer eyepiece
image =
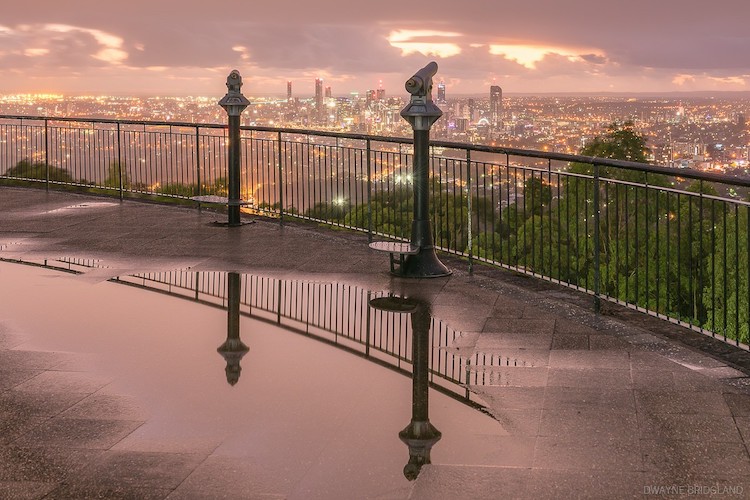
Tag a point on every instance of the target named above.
point(421, 83)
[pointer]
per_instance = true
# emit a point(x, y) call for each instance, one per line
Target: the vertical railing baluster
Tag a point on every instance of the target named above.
point(369, 192)
point(549, 212)
point(119, 162)
point(46, 154)
point(468, 202)
point(725, 291)
point(737, 274)
point(199, 187)
point(699, 290)
point(597, 271)
point(713, 267)
point(747, 267)
point(657, 252)
point(646, 283)
point(280, 179)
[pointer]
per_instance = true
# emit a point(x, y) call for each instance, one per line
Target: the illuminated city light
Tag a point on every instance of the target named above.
point(709, 135)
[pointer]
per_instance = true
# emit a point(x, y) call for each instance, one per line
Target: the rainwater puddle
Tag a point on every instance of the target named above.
point(320, 389)
point(82, 206)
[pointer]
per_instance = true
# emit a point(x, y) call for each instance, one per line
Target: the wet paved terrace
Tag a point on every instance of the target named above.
point(615, 405)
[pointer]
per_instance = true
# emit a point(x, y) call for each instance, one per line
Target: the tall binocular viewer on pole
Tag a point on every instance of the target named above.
point(421, 113)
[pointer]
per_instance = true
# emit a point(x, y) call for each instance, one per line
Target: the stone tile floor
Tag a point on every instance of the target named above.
point(615, 405)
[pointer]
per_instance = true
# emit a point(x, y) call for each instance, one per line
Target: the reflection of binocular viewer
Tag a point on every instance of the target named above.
point(421, 83)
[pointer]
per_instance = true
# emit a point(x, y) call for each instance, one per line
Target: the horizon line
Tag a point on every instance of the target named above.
point(282, 95)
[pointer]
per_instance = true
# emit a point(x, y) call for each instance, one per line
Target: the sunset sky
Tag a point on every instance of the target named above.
point(188, 47)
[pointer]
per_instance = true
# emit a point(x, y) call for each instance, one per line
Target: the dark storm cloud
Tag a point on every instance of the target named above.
point(697, 52)
point(346, 48)
point(594, 58)
point(37, 48)
point(301, 47)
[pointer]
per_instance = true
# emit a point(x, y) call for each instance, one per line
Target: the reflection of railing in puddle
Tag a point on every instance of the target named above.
point(66, 264)
point(339, 313)
point(335, 313)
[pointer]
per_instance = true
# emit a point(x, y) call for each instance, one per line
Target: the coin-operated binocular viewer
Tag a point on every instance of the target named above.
point(234, 103)
point(421, 113)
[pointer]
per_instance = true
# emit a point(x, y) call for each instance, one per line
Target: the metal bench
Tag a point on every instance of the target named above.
point(395, 248)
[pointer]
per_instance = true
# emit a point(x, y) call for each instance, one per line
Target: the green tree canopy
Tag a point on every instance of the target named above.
point(621, 142)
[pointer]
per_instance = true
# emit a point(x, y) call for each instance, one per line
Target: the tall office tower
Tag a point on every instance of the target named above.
point(496, 107)
point(441, 93)
point(319, 96)
point(289, 90)
point(328, 92)
point(472, 110)
point(370, 96)
point(380, 94)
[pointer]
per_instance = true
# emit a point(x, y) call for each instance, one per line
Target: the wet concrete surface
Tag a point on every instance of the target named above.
point(614, 405)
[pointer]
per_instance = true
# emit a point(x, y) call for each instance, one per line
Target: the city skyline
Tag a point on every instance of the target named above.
point(185, 48)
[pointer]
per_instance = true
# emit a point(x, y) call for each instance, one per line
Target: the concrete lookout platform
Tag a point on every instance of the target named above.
point(616, 405)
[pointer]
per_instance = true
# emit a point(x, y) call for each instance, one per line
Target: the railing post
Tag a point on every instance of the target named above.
point(46, 155)
point(198, 179)
point(119, 161)
point(468, 202)
point(597, 272)
point(280, 180)
point(369, 193)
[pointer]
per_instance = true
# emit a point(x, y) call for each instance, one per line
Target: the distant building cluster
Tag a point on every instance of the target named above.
point(697, 132)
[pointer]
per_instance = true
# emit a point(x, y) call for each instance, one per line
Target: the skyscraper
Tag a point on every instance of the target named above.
point(319, 96)
point(289, 90)
point(441, 93)
point(328, 92)
point(496, 107)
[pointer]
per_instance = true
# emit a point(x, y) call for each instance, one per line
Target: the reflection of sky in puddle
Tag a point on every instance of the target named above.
point(312, 419)
point(82, 206)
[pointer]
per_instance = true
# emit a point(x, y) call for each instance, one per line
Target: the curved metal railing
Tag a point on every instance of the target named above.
point(338, 314)
point(670, 242)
